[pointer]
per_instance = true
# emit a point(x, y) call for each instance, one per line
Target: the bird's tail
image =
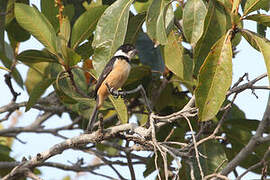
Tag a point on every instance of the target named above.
point(93, 118)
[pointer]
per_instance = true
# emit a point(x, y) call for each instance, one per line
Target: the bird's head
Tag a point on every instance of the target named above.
point(127, 50)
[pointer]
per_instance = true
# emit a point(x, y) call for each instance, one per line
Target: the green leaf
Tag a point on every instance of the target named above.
point(261, 29)
point(141, 7)
point(7, 58)
point(64, 33)
point(260, 18)
point(35, 74)
point(215, 78)
point(71, 57)
point(261, 44)
point(174, 58)
point(134, 27)
point(37, 91)
point(216, 157)
point(215, 26)
point(155, 21)
point(34, 56)
point(17, 32)
point(110, 32)
point(37, 24)
point(164, 24)
point(85, 50)
point(3, 6)
point(120, 108)
point(49, 9)
point(193, 20)
point(253, 5)
point(85, 25)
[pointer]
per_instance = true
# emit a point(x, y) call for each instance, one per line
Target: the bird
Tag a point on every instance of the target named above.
point(114, 74)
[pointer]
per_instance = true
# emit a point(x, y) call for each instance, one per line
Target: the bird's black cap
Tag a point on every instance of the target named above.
point(126, 48)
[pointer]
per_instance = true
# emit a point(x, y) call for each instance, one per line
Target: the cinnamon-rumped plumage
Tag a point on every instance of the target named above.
point(114, 74)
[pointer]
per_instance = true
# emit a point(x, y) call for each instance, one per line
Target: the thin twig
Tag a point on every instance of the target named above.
point(195, 147)
point(130, 166)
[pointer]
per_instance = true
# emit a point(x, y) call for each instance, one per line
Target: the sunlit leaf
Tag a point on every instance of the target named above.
point(85, 25)
point(193, 20)
point(215, 78)
point(164, 24)
point(37, 24)
point(35, 74)
point(110, 32)
point(155, 21)
point(253, 5)
point(65, 31)
point(120, 108)
point(142, 6)
point(174, 58)
point(261, 44)
point(215, 26)
point(260, 18)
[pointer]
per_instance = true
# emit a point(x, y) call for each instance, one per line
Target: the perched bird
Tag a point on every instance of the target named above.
point(114, 74)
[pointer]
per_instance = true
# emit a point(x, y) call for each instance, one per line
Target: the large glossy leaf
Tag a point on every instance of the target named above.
point(34, 56)
point(110, 32)
point(65, 32)
point(261, 44)
point(85, 25)
point(37, 91)
point(134, 27)
point(260, 18)
point(37, 24)
point(215, 25)
point(174, 58)
point(71, 58)
point(120, 108)
point(35, 74)
point(193, 20)
point(155, 21)
point(164, 24)
point(215, 78)
point(253, 5)
point(49, 9)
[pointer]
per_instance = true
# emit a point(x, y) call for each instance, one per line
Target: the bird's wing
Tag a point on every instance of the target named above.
point(106, 71)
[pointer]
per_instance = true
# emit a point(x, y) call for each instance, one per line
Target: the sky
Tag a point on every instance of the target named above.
point(247, 60)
